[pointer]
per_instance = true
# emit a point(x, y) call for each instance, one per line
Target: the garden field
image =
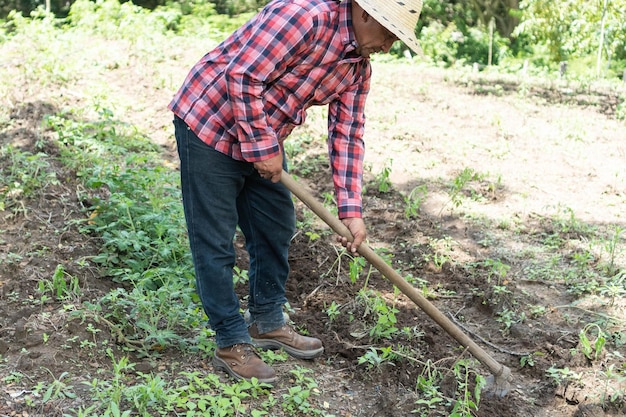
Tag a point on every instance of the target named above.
point(500, 197)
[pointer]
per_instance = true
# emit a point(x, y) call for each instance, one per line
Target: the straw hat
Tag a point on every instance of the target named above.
point(400, 17)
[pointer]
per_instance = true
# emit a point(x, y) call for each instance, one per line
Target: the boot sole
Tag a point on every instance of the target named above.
point(221, 365)
point(270, 344)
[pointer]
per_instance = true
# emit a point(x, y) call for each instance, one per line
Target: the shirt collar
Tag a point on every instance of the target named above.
point(345, 26)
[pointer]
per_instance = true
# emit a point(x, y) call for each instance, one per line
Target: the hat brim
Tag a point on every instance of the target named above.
point(412, 43)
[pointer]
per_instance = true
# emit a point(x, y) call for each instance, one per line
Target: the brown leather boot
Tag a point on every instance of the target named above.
point(298, 346)
point(243, 362)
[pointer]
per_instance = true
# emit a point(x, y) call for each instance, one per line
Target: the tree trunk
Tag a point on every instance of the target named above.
point(599, 60)
point(500, 11)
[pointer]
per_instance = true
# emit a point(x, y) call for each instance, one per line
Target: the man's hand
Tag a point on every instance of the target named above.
point(356, 225)
point(270, 169)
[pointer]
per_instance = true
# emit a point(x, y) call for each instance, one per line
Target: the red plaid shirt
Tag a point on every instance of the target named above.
point(245, 97)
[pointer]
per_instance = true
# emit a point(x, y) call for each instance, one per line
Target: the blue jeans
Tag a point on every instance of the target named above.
point(219, 194)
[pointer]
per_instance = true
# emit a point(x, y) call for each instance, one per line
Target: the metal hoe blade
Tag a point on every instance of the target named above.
point(499, 385)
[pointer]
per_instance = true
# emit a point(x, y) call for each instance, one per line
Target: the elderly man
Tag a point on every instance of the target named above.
point(231, 115)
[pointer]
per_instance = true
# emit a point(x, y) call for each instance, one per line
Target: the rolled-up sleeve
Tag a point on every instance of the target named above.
point(346, 121)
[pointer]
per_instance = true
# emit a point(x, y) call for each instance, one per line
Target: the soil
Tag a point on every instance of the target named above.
point(553, 154)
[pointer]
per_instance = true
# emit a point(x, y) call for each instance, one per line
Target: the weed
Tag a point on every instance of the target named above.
point(566, 222)
point(441, 251)
point(332, 311)
point(614, 379)
point(384, 326)
point(296, 146)
point(313, 236)
point(536, 311)
point(582, 260)
point(385, 323)
point(497, 269)
point(553, 241)
point(11, 258)
point(427, 385)
point(62, 285)
point(273, 356)
point(240, 276)
point(561, 375)
point(296, 399)
point(374, 361)
point(527, 361)
point(413, 201)
point(57, 389)
point(382, 179)
point(205, 341)
point(87, 344)
point(612, 248)
point(614, 287)
point(13, 377)
point(357, 263)
point(591, 351)
point(25, 175)
point(467, 400)
point(508, 318)
point(499, 290)
point(586, 285)
point(148, 394)
point(329, 202)
point(236, 393)
point(458, 184)
point(412, 333)
point(545, 269)
point(142, 228)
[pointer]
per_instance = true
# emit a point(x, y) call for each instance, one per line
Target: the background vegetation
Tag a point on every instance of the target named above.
point(591, 35)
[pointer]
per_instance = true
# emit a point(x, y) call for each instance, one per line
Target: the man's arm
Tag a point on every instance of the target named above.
point(346, 148)
point(278, 37)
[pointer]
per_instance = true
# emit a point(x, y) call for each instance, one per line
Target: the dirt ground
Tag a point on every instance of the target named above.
point(544, 152)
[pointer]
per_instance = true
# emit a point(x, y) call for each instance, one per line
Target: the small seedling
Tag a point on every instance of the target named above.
point(240, 276)
point(591, 350)
point(382, 179)
point(332, 311)
point(414, 200)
